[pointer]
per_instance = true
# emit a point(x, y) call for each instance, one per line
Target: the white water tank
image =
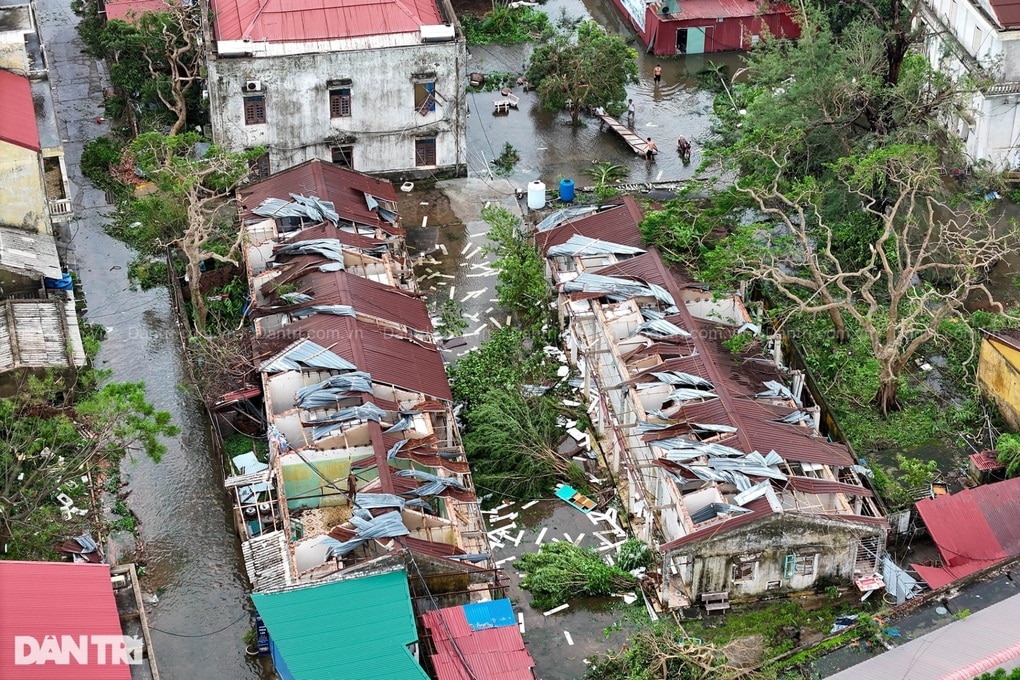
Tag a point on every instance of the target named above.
point(536, 195)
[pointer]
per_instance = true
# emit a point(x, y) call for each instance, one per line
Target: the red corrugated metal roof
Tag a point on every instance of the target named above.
point(972, 529)
point(41, 599)
point(389, 356)
point(130, 10)
point(304, 20)
point(1007, 11)
point(345, 188)
point(17, 112)
point(616, 225)
point(492, 653)
point(986, 460)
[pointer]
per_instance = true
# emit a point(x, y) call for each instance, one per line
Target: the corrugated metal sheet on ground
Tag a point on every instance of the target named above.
point(41, 599)
point(346, 189)
point(492, 653)
point(355, 628)
point(38, 338)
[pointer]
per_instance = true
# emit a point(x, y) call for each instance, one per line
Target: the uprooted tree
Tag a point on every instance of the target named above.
point(929, 254)
point(587, 68)
point(195, 197)
point(562, 570)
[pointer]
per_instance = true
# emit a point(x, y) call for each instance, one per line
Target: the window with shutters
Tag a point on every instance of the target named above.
point(343, 155)
point(744, 571)
point(425, 97)
point(340, 102)
point(425, 151)
point(254, 110)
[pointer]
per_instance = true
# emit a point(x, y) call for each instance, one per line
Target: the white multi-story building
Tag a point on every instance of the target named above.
point(981, 37)
point(373, 86)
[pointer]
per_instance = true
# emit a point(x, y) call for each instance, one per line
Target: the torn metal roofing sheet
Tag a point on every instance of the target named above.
point(386, 525)
point(335, 310)
point(689, 394)
point(303, 355)
point(343, 417)
point(331, 390)
point(265, 561)
point(296, 298)
point(814, 485)
point(684, 379)
point(619, 289)
point(557, 217)
point(308, 208)
point(344, 188)
point(660, 328)
point(404, 423)
point(776, 390)
point(701, 448)
point(328, 248)
point(578, 245)
point(385, 500)
point(713, 510)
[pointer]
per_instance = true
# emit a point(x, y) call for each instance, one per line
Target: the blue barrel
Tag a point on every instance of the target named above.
point(566, 190)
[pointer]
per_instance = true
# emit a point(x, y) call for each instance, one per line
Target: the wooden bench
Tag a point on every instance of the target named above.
point(715, 602)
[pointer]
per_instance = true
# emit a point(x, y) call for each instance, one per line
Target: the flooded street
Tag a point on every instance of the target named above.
point(551, 149)
point(192, 556)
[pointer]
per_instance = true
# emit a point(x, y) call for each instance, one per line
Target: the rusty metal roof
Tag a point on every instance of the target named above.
point(727, 9)
point(327, 230)
point(616, 225)
point(1007, 12)
point(289, 21)
point(17, 112)
point(820, 486)
point(493, 653)
point(972, 529)
point(345, 188)
point(387, 355)
point(364, 295)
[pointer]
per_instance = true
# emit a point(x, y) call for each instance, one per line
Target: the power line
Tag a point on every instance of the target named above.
point(198, 635)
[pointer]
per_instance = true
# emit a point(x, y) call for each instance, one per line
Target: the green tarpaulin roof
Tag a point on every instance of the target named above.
point(357, 629)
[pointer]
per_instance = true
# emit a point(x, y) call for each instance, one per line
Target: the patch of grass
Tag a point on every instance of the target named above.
point(237, 444)
point(506, 26)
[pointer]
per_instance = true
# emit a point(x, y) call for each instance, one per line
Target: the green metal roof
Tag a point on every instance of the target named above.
point(357, 629)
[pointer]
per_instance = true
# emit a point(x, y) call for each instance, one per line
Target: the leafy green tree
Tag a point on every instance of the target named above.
point(522, 287)
point(45, 450)
point(587, 68)
point(561, 570)
point(927, 258)
point(511, 441)
point(193, 207)
point(1008, 447)
point(504, 362)
point(155, 59)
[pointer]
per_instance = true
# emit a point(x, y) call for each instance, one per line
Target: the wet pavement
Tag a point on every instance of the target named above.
point(928, 618)
point(595, 625)
point(192, 555)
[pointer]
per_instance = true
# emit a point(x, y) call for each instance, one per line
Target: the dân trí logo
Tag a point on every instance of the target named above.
point(82, 650)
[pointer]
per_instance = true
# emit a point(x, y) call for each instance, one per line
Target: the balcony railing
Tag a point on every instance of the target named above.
point(60, 207)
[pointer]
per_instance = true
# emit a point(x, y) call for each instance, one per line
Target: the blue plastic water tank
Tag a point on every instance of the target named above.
point(566, 190)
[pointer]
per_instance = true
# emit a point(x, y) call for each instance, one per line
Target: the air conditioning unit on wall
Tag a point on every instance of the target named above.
point(253, 86)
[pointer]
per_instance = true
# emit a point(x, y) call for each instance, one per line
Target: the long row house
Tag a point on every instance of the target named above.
point(366, 505)
point(716, 447)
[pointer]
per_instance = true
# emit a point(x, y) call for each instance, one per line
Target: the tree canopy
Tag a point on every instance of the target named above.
point(587, 68)
point(191, 208)
point(45, 450)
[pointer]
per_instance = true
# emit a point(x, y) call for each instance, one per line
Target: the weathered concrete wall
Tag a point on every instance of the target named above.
point(766, 544)
point(383, 124)
point(22, 194)
point(999, 379)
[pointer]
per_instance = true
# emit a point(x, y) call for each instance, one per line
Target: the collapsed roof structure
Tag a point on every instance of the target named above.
point(365, 461)
point(718, 453)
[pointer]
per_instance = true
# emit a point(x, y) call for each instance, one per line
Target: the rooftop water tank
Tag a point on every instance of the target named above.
point(536, 195)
